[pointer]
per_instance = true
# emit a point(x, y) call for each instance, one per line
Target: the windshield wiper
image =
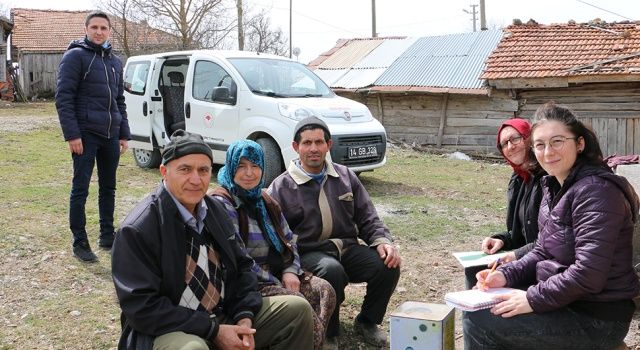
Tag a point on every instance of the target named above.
point(268, 93)
point(311, 95)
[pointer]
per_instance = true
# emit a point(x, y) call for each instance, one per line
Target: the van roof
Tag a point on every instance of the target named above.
point(213, 53)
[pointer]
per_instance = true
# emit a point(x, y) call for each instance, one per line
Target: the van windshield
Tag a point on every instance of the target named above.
point(280, 78)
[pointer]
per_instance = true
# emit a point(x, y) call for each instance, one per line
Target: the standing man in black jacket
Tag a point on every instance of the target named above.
point(181, 277)
point(93, 117)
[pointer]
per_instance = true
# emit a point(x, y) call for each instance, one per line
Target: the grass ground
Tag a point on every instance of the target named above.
point(49, 300)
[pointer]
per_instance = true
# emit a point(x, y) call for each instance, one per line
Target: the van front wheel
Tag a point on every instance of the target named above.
point(272, 159)
point(147, 159)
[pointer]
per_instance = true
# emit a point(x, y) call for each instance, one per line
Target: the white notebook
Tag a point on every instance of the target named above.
point(474, 299)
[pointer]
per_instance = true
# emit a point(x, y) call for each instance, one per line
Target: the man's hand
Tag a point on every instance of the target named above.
point(236, 336)
point(291, 281)
point(491, 245)
point(389, 254)
point(75, 146)
point(124, 146)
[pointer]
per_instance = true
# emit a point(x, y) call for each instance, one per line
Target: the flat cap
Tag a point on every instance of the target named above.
point(182, 143)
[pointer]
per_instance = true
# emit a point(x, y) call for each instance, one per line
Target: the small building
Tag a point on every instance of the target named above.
point(38, 55)
point(425, 91)
point(6, 90)
point(592, 68)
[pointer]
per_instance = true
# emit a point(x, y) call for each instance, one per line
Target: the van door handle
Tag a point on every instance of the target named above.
point(187, 110)
point(144, 108)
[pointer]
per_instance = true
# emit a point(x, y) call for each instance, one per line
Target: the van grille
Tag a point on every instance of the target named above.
point(341, 145)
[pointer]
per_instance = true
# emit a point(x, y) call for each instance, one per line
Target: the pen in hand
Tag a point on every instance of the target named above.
point(493, 268)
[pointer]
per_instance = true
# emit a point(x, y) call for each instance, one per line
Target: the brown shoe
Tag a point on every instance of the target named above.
point(371, 333)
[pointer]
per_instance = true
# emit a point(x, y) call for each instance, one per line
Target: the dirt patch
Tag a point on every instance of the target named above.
point(25, 124)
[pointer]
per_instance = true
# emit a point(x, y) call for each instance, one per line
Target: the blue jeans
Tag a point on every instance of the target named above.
point(358, 264)
point(560, 329)
point(106, 153)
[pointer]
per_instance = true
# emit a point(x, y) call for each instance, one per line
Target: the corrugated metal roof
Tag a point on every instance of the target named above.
point(452, 61)
point(358, 78)
point(330, 76)
point(368, 70)
point(350, 54)
point(386, 53)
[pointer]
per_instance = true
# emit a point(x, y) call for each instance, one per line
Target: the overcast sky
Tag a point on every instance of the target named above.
point(317, 25)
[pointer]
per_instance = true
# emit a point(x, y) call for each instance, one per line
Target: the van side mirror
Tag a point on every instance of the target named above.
point(221, 94)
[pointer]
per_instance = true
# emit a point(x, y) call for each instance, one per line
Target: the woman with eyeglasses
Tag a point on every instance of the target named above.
point(265, 236)
point(523, 197)
point(580, 272)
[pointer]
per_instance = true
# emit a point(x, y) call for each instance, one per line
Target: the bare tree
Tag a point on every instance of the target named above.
point(126, 11)
point(198, 23)
point(261, 38)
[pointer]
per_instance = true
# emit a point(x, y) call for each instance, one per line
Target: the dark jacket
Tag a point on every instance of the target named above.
point(522, 214)
point(90, 92)
point(584, 249)
point(148, 268)
point(348, 214)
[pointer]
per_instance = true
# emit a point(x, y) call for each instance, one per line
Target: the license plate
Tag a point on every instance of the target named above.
point(363, 152)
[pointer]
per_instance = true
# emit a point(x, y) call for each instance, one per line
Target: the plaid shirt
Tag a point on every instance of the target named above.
point(257, 247)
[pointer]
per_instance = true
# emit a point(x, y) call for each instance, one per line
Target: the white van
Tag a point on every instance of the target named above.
point(231, 95)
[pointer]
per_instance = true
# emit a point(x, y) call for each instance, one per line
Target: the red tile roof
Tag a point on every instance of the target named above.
point(565, 50)
point(52, 31)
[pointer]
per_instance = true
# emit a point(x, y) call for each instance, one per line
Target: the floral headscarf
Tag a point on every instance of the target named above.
point(251, 151)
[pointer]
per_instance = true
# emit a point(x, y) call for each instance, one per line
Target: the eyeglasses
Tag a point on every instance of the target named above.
point(513, 140)
point(556, 143)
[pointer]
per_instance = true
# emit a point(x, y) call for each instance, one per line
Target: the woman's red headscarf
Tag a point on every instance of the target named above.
point(524, 129)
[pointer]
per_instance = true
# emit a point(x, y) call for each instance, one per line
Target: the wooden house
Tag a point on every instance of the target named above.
point(592, 68)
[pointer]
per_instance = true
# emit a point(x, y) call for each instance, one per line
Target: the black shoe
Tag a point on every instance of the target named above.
point(371, 333)
point(105, 242)
point(83, 252)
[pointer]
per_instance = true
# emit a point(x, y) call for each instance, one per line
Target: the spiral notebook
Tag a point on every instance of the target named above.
point(474, 299)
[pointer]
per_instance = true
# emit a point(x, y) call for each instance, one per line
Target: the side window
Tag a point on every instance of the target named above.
point(212, 83)
point(135, 78)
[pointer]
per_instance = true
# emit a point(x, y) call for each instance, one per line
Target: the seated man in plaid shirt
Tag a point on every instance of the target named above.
point(180, 277)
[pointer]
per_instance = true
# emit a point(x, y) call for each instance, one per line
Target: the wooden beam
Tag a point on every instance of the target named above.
point(443, 117)
point(529, 83)
point(380, 109)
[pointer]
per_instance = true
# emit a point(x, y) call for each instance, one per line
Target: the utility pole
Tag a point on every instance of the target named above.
point(473, 13)
point(240, 26)
point(373, 19)
point(290, 30)
point(483, 17)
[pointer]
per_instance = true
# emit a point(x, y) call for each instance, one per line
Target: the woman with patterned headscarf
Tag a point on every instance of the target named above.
point(265, 235)
point(523, 196)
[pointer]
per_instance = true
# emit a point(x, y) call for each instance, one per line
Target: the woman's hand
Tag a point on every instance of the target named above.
point(514, 303)
point(490, 279)
point(509, 257)
point(291, 281)
point(491, 245)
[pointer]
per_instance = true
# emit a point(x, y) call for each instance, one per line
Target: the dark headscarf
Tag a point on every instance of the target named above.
point(251, 151)
point(524, 129)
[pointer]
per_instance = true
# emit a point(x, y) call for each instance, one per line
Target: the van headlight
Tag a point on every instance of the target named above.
point(293, 111)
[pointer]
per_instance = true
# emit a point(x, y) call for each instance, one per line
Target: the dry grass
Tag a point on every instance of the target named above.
point(49, 300)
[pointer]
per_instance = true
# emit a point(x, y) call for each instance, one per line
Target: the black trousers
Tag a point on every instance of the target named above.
point(357, 264)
